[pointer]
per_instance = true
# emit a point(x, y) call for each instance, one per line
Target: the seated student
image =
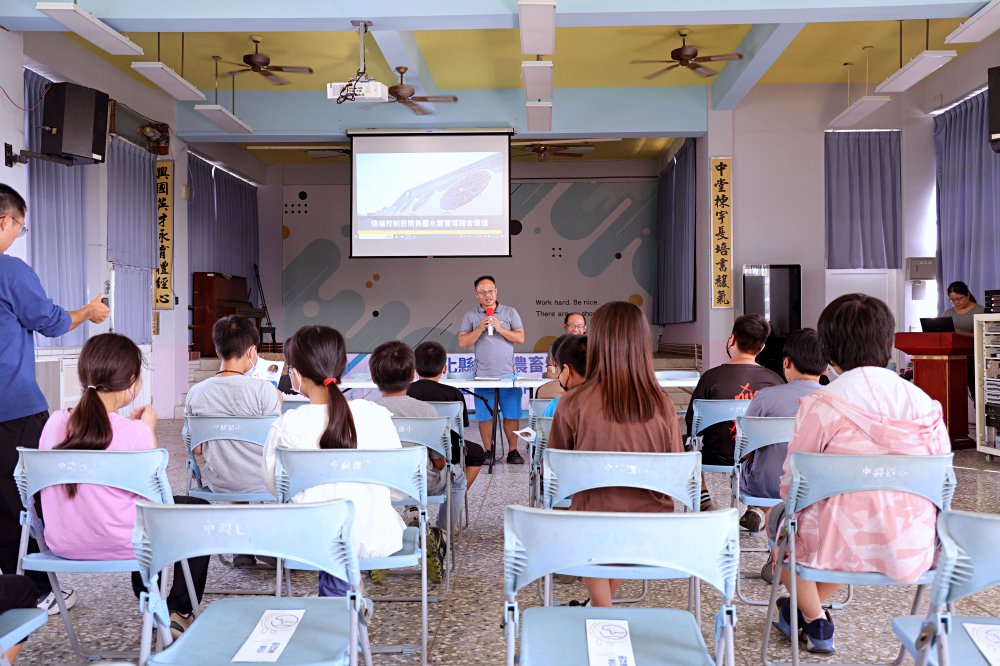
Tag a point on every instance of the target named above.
point(738, 379)
point(432, 361)
point(233, 466)
point(91, 522)
point(803, 364)
point(619, 408)
point(392, 366)
point(17, 592)
point(869, 410)
point(316, 357)
point(551, 389)
point(571, 359)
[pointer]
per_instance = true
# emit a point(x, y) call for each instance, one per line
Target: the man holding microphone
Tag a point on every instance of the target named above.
point(25, 309)
point(493, 329)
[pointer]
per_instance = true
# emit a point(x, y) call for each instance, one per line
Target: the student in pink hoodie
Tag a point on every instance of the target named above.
point(868, 409)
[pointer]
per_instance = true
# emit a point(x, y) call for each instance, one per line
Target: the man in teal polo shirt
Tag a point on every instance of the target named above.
point(495, 359)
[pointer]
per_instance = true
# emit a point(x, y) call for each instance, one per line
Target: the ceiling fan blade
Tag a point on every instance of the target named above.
point(647, 62)
point(416, 108)
point(289, 69)
point(230, 62)
point(722, 57)
point(236, 71)
point(701, 69)
point(559, 153)
point(434, 98)
point(660, 72)
point(560, 142)
point(579, 149)
point(274, 78)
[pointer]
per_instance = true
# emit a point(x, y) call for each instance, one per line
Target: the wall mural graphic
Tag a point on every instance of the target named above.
point(575, 245)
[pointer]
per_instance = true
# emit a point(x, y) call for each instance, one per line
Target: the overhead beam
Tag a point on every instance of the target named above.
point(400, 49)
point(401, 15)
point(761, 47)
point(580, 112)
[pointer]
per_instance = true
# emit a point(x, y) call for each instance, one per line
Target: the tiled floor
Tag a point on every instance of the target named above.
point(465, 627)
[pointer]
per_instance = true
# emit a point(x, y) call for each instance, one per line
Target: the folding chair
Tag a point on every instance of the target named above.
point(140, 472)
point(455, 411)
point(542, 427)
point(656, 545)
point(753, 433)
point(677, 374)
point(819, 476)
point(536, 407)
point(201, 430)
point(328, 632)
point(708, 413)
point(967, 564)
point(677, 475)
point(403, 470)
point(433, 433)
point(16, 625)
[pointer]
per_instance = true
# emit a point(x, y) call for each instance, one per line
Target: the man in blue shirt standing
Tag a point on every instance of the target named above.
point(24, 311)
point(493, 329)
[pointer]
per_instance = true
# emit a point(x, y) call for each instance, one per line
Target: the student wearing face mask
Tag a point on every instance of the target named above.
point(90, 522)
point(232, 466)
point(571, 361)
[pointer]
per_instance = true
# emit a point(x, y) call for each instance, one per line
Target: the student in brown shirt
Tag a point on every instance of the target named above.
point(619, 408)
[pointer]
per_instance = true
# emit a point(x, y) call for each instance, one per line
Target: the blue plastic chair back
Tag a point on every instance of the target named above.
point(536, 407)
point(317, 533)
point(453, 411)
point(402, 469)
point(969, 546)
point(568, 472)
point(756, 432)
point(677, 374)
point(17, 624)
point(709, 412)
point(288, 405)
point(432, 432)
point(141, 472)
point(818, 476)
point(201, 429)
point(543, 426)
point(538, 542)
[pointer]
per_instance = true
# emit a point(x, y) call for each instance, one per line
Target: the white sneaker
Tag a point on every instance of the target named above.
point(49, 605)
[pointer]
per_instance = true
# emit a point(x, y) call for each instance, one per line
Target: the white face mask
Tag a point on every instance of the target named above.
point(292, 374)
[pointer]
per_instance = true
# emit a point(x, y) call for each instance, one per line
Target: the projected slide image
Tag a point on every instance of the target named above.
point(422, 185)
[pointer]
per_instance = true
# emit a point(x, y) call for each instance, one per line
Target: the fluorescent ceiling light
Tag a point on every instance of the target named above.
point(537, 75)
point(539, 116)
point(980, 25)
point(538, 26)
point(88, 26)
point(923, 65)
point(169, 80)
point(859, 110)
point(221, 116)
point(257, 146)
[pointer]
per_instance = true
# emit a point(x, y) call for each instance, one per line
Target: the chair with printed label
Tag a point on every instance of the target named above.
point(706, 413)
point(455, 412)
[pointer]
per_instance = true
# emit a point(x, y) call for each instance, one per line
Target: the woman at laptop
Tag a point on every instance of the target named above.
point(962, 312)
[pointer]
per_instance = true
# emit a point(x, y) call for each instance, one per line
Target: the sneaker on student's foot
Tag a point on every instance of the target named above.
point(514, 458)
point(783, 623)
point(48, 602)
point(818, 635)
point(437, 548)
point(753, 520)
point(412, 518)
point(179, 622)
point(585, 602)
point(706, 501)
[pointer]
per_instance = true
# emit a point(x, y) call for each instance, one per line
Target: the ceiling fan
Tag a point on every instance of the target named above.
point(687, 56)
point(403, 94)
point(543, 151)
point(261, 63)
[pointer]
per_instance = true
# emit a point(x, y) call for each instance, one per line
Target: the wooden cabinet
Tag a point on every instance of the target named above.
point(215, 296)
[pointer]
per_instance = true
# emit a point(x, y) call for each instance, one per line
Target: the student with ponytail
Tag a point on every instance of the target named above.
point(316, 357)
point(91, 522)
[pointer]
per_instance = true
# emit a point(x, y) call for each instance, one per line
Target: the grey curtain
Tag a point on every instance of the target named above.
point(676, 215)
point(863, 200)
point(968, 197)
point(222, 222)
point(132, 237)
point(57, 235)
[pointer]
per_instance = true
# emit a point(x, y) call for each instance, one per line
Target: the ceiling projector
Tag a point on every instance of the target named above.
point(368, 90)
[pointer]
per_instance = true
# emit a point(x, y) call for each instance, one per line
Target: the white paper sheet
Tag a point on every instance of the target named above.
point(527, 434)
point(609, 643)
point(269, 371)
point(987, 639)
point(271, 636)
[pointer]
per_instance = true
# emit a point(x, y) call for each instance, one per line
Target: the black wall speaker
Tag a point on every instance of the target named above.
point(993, 101)
point(75, 122)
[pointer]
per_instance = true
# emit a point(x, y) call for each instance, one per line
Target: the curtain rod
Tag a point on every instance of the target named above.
point(220, 167)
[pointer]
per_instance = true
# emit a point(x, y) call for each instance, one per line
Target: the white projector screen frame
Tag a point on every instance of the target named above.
point(437, 194)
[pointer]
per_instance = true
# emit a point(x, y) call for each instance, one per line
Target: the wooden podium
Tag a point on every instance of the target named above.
point(939, 368)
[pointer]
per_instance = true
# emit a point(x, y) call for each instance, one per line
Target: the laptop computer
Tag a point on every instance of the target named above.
point(937, 324)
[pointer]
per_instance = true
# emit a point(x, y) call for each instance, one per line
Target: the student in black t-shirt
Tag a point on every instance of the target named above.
point(740, 378)
point(432, 362)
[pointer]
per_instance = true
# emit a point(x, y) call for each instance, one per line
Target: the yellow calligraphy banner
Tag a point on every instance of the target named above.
point(163, 275)
point(722, 232)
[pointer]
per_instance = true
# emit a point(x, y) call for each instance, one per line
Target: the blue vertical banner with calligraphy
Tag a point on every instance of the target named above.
point(163, 275)
point(722, 232)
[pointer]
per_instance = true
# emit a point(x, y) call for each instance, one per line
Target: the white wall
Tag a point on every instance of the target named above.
point(12, 119)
